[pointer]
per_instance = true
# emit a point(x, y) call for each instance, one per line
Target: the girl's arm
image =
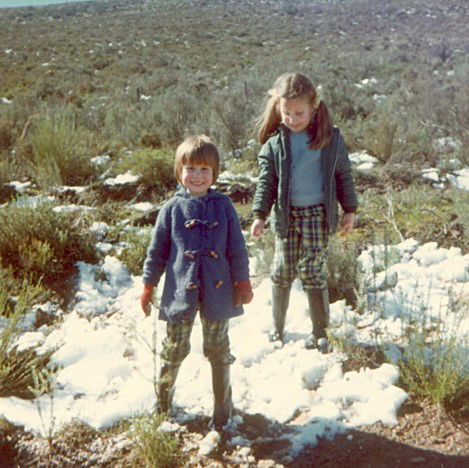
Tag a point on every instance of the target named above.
point(346, 194)
point(266, 186)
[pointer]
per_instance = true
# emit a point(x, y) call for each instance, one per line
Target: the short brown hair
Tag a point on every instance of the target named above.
point(198, 149)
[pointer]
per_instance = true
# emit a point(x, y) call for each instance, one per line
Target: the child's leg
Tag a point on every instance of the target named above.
point(176, 346)
point(312, 270)
point(283, 273)
point(217, 351)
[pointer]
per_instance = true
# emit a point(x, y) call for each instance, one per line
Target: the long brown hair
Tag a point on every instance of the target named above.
point(289, 86)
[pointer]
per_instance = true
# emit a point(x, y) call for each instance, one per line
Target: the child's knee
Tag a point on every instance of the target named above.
point(220, 360)
point(175, 353)
point(281, 282)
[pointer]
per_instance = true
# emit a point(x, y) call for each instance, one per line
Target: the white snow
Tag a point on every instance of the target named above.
point(104, 350)
point(142, 206)
point(20, 187)
point(122, 179)
point(460, 179)
point(363, 160)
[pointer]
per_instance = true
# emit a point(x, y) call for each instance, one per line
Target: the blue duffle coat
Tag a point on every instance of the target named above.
point(197, 242)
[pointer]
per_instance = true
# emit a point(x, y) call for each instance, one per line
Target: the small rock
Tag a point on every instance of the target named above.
point(209, 443)
point(268, 464)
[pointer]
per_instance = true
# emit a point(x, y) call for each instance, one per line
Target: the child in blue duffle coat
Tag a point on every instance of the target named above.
point(197, 242)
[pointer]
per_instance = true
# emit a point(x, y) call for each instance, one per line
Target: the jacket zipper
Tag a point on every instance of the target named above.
point(330, 182)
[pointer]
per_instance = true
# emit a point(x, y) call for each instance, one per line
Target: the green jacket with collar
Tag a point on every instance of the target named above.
point(273, 186)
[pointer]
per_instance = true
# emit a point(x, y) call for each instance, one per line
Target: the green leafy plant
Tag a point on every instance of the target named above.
point(41, 244)
point(60, 151)
point(154, 166)
point(154, 447)
point(134, 254)
point(345, 277)
point(16, 367)
point(44, 384)
point(434, 358)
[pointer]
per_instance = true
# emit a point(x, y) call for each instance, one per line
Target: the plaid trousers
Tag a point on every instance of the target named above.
point(216, 342)
point(304, 252)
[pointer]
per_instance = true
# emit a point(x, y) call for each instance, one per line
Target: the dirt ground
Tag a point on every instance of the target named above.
point(426, 435)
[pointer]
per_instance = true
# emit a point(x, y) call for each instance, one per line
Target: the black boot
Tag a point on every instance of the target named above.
point(222, 404)
point(166, 386)
point(280, 299)
point(318, 300)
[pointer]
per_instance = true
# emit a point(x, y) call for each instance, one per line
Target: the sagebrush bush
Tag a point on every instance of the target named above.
point(345, 278)
point(37, 242)
point(7, 136)
point(154, 166)
point(416, 211)
point(60, 151)
point(155, 448)
point(434, 367)
point(231, 117)
point(134, 254)
point(16, 374)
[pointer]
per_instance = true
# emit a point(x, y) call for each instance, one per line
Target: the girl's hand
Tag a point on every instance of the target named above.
point(346, 224)
point(257, 228)
point(145, 299)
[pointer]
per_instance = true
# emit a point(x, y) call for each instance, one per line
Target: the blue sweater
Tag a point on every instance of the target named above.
point(197, 242)
point(306, 183)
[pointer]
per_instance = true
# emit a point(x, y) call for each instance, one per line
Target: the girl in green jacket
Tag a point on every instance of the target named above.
point(305, 173)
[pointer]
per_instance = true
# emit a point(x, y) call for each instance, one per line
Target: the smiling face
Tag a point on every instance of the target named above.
point(197, 178)
point(296, 113)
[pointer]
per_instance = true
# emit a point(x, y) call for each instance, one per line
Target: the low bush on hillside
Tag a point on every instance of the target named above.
point(155, 447)
point(58, 152)
point(38, 243)
point(154, 166)
point(434, 359)
point(16, 366)
point(134, 254)
point(417, 211)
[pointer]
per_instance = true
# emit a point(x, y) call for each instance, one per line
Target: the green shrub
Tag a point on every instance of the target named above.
point(154, 166)
point(42, 244)
point(155, 448)
point(60, 152)
point(417, 211)
point(231, 117)
point(459, 227)
point(16, 367)
point(434, 362)
point(345, 278)
point(134, 255)
point(7, 135)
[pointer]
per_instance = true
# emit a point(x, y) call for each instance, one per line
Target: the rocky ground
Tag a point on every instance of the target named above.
point(426, 435)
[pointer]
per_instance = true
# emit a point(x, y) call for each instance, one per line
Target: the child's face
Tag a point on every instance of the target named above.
point(197, 178)
point(296, 113)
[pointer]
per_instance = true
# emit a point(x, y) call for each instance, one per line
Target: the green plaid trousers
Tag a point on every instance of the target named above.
point(304, 252)
point(216, 342)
